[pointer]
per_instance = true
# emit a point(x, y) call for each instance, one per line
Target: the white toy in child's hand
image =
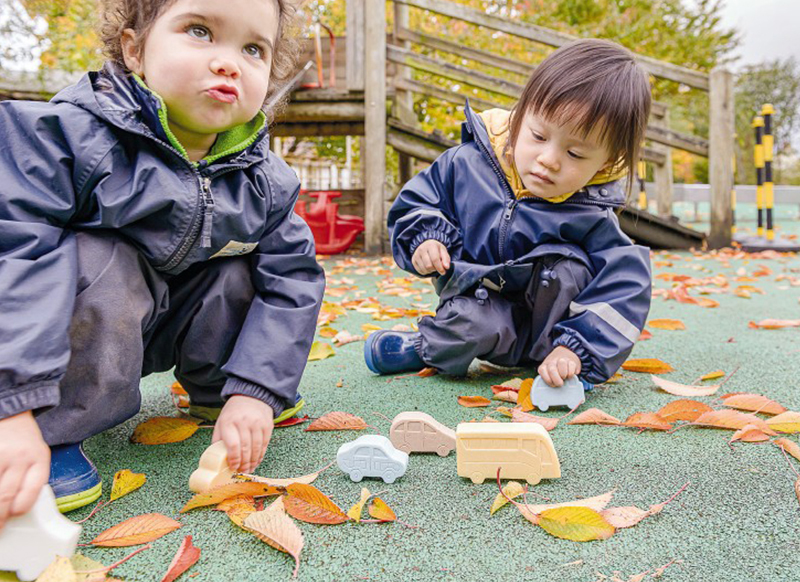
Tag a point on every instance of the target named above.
point(571, 394)
point(213, 469)
point(29, 543)
point(372, 455)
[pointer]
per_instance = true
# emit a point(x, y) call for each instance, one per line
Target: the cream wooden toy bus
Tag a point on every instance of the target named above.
point(520, 450)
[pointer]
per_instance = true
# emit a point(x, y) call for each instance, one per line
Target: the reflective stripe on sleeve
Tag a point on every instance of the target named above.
point(610, 315)
point(425, 212)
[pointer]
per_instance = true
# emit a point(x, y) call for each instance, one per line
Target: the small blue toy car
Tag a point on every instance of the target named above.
point(372, 456)
point(571, 394)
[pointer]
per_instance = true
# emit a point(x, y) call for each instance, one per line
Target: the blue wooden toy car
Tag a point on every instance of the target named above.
point(372, 456)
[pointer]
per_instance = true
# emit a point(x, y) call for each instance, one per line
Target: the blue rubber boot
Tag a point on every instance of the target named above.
point(391, 352)
point(587, 387)
point(73, 477)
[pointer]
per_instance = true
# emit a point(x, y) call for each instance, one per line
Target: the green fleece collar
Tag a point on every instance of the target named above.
point(228, 142)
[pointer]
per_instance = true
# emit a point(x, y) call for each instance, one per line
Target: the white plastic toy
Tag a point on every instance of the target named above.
point(372, 455)
point(213, 470)
point(571, 394)
point(29, 543)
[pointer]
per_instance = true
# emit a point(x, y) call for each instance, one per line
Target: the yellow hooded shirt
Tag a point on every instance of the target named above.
point(496, 122)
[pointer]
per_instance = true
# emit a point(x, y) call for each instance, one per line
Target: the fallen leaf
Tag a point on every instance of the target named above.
point(788, 422)
point(237, 509)
point(774, 323)
point(320, 351)
point(689, 410)
point(228, 491)
point(126, 481)
point(579, 524)
point(797, 489)
point(337, 421)
point(186, 557)
point(594, 416)
point(712, 375)
point(474, 401)
point(82, 566)
point(272, 526)
point(513, 384)
point(137, 530)
point(622, 517)
point(327, 332)
point(512, 489)
point(668, 324)
point(752, 403)
point(789, 446)
point(649, 420)
point(306, 479)
point(506, 396)
point(427, 372)
point(292, 421)
point(750, 433)
point(178, 390)
point(524, 396)
point(545, 421)
point(505, 411)
point(647, 365)
point(345, 337)
point(163, 430)
point(307, 503)
point(598, 503)
point(614, 379)
point(730, 419)
point(645, 335)
point(683, 389)
point(380, 511)
point(354, 512)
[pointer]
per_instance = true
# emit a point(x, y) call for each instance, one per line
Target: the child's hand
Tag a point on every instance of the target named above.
point(431, 256)
point(245, 424)
point(24, 465)
point(562, 363)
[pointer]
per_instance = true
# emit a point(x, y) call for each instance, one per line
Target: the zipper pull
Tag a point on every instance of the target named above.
point(509, 210)
point(208, 213)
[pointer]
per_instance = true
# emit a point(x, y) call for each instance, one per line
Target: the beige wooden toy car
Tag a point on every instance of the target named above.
point(417, 432)
point(520, 450)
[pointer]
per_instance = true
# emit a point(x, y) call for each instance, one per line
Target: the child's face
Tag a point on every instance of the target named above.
point(554, 160)
point(209, 60)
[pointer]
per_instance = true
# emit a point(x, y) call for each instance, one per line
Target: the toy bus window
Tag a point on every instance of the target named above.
point(531, 445)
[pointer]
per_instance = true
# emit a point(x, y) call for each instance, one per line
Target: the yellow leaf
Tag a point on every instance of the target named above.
point(137, 530)
point(320, 351)
point(524, 396)
point(512, 489)
point(669, 324)
point(579, 524)
point(60, 570)
point(789, 446)
point(354, 512)
point(163, 430)
point(713, 375)
point(272, 526)
point(237, 509)
point(787, 422)
point(327, 332)
point(228, 491)
point(126, 481)
point(379, 510)
point(648, 365)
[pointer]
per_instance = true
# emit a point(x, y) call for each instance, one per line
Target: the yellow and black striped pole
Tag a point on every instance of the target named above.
point(733, 196)
point(758, 125)
point(769, 197)
point(642, 175)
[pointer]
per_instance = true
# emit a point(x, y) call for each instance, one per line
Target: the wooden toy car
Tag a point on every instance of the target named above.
point(520, 450)
point(372, 456)
point(417, 432)
point(213, 470)
point(571, 394)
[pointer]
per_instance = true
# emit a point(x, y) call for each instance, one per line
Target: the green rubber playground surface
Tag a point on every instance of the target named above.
point(738, 518)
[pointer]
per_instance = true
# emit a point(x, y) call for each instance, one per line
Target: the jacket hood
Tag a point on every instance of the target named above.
point(491, 130)
point(124, 101)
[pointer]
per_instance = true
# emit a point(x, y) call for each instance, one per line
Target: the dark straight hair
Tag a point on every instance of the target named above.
point(592, 83)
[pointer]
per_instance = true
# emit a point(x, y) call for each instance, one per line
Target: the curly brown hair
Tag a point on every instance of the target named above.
point(140, 15)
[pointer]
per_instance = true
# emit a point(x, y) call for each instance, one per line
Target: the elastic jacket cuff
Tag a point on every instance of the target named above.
point(234, 385)
point(589, 370)
point(439, 235)
point(36, 396)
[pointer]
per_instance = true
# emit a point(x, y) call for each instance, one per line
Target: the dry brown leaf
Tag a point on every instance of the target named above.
point(647, 365)
point(474, 401)
point(163, 430)
point(511, 490)
point(790, 447)
point(622, 517)
point(750, 434)
point(307, 503)
point(668, 324)
point(774, 323)
point(126, 481)
point(752, 403)
point(186, 557)
point(272, 526)
point(380, 511)
point(354, 512)
point(787, 422)
point(579, 524)
point(228, 491)
point(648, 420)
point(524, 396)
point(547, 422)
point(306, 479)
point(688, 410)
point(594, 416)
point(683, 389)
point(598, 503)
point(337, 421)
point(731, 420)
point(137, 530)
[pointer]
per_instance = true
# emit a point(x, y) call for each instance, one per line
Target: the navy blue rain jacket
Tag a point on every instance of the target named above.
point(96, 157)
point(465, 201)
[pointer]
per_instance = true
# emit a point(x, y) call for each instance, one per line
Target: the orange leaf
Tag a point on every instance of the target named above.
point(713, 375)
point(337, 421)
point(178, 390)
point(237, 509)
point(228, 491)
point(647, 365)
point(668, 324)
point(688, 410)
point(790, 447)
point(730, 419)
point(774, 323)
point(750, 434)
point(649, 420)
point(752, 403)
point(162, 430)
point(645, 335)
point(272, 526)
point(547, 422)
point(379, 510)
point(307, 503)
point(513, 384)
point(594, 416)
point(683, 389)
point(706, 302)
point(524, 396)
point(427, 372)
point(506, 396)
point(787, 422)
point(137, 530)
point(186, 556)
point(473, 401)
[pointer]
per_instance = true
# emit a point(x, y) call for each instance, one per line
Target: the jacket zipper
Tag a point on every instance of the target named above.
point(208, 212)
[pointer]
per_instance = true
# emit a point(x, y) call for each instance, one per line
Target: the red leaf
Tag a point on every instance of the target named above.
point(292, 421)
point(186, 556)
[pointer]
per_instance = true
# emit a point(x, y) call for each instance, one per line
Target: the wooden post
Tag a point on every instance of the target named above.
point(403, 100)
point(374, 152)
point(721, 150)
point(355, 45)
point(662, 174)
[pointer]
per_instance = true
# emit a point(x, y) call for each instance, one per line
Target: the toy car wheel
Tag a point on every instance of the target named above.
point(443, 450)
point(542, 407)
point(534, 480)
point(476, 477)
point(356, 475)
point(389, 476)
point(405, 447)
